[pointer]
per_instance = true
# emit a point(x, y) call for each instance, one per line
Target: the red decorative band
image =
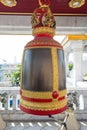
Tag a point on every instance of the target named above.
point(43, 112)
point(61, 98)
point(36, 100)
point(43, 35)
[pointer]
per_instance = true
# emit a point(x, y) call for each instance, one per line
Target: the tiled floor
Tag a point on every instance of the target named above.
point(31, 126)
point(37, 126)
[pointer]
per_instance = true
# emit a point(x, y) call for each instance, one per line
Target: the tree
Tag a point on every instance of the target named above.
point(15, 76)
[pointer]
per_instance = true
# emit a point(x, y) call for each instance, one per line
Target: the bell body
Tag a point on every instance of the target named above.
point(43, 84)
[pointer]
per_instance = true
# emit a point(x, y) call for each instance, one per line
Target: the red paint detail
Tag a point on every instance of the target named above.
point(20, 92)
point(41, 13)
point(43, 40)
point(43, 35)
point(36, 100)
point(61, 98)
point(55, 94)
point(43, 112)
point(58, 7)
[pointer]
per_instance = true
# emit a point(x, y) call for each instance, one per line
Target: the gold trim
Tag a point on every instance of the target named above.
point(44, 106)
point(77, 37)
point(62, 93)
point(76, 3)
point(73, 37)
point(67, 14)
point(55, 14)
point(46, 30)
point(9, 3)
point(50, 47)
point(55, 69)
point(42, 95)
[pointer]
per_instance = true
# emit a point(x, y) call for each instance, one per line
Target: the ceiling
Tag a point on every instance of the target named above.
point(58, 7)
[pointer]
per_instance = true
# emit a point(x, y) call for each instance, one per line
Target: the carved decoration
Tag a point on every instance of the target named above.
point(76, 3)
point(9, 3)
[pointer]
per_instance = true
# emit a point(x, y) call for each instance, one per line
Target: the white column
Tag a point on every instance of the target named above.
point(77, 47)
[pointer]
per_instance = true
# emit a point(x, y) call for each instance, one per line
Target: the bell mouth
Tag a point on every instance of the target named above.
point(43, 112)
point(43, 103)
point(43, 30)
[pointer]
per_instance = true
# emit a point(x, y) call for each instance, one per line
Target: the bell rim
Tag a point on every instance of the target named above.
point(43, 112)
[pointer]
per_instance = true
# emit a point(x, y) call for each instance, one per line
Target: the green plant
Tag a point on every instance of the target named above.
point(70, 66)
point(15, 76)
point(85, 75)
point(3, 97)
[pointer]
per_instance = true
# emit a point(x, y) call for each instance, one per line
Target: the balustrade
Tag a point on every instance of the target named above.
point(11, 111)
point(13, 98)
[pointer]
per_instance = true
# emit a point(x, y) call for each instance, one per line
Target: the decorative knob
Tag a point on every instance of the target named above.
point(55, 94)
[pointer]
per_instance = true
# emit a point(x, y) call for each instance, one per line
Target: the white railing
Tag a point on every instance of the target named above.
point(13, 98)
point(11, 111)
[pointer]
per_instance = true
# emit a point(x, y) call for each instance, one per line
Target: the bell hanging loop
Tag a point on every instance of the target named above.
point(44, 2)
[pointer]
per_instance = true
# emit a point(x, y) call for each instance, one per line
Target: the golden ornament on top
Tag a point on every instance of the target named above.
point(9, 3)
point(76, 3)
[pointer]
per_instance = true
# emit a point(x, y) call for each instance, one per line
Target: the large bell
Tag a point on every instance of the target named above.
point(43, 84)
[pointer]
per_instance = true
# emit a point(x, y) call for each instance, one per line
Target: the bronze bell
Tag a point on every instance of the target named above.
point(43, 83)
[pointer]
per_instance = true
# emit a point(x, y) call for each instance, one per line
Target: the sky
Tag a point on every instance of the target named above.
point(11, 47)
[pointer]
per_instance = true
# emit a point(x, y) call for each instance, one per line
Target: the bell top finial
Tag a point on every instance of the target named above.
point(42, 19)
